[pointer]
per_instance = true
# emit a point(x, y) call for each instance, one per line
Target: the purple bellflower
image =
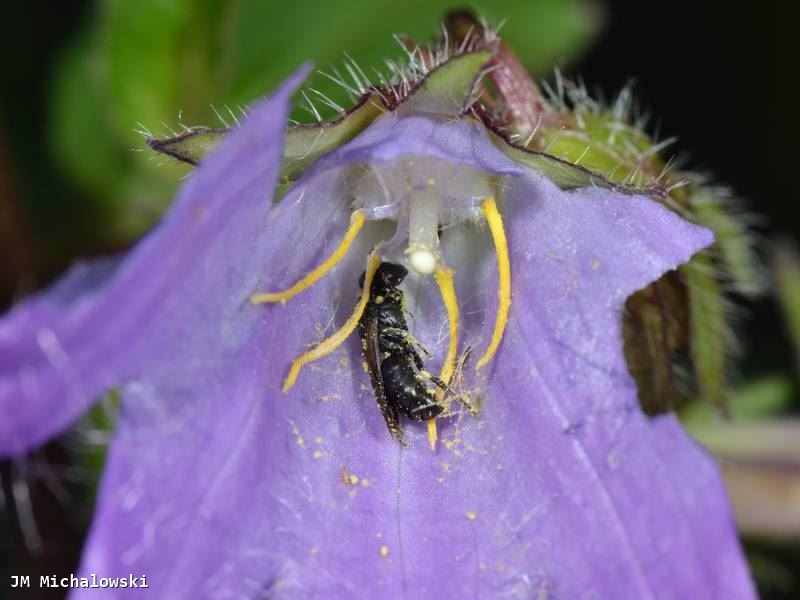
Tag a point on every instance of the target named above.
point(238, 470)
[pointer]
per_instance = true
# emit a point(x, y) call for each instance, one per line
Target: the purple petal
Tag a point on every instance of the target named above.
point(391, 136)
point(220, 486)
point(560, 487)
point(630, 508)
point(59, 351)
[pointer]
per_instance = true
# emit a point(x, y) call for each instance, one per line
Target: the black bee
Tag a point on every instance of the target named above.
point(393, 356)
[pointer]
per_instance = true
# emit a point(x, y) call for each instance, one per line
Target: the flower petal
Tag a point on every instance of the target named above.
point(225, 487)
point(59, 352)
point(220, 486)
point(620, 497)
point(462, 140)
point(196, 493)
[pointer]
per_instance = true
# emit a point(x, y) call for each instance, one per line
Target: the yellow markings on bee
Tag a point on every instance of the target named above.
point(444, 279)
point(495, 222)
point(356, 223)
point(330, 344)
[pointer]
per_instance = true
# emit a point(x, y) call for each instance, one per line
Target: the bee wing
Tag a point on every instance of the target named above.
point(372, 355)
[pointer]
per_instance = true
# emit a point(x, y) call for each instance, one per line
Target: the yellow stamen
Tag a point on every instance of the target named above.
point(444, 278)
point(330, 344)
point(356, 223)
point(495, 221)
point(433, 434)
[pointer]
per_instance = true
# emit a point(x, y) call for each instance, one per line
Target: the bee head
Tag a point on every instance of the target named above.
point(388, 276)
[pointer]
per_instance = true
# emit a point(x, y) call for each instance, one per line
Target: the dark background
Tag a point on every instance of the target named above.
point(718, 75)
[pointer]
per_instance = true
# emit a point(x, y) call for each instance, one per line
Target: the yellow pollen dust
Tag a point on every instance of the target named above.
point(357, 220)
point(495, 222)
point(330, 344)
point(444, 279)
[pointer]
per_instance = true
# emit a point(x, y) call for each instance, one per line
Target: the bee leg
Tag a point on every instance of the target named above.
point(401, 335)
point(449, 391)
point(393, 424)
point(393, 342)
point(390, 415)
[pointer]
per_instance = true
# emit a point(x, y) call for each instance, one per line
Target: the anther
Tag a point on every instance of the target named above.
point(444, 279)
point(495, 222)
point(357, 220)
point(330, 344)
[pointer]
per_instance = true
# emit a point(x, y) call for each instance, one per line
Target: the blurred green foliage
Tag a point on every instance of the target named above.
point(765, 396)
point(787, 275)
point(138, 65)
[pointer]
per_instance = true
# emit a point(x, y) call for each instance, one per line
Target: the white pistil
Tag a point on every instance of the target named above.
point(423, 229)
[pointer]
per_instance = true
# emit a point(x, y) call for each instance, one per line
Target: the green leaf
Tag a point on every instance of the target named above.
point(82, 134)
point(148, 61)
point(266, 44)
point(787, 272)
point(762, 397)
point(158, 56)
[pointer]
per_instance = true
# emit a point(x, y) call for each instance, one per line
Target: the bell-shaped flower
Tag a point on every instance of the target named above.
point(250, 458)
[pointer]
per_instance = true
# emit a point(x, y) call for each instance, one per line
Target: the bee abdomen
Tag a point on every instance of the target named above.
point(406, 391)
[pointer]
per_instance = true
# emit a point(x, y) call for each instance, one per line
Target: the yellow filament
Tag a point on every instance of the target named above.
point(433, 433)
point(356, 223)
point(495, 221)
point(444, 278)
point(330, 344)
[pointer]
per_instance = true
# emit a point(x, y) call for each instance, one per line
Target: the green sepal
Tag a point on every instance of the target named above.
point(654, 327)
point(708, 328)
point(304, 144)
point(564, 173)
point(599, 142)
point(735, 251)
point(190, 147)
point(447, 89)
